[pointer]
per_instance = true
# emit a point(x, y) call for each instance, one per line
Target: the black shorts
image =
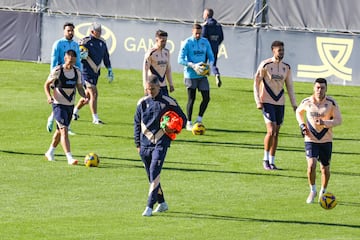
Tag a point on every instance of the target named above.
point(320, 151)
point(274, 113)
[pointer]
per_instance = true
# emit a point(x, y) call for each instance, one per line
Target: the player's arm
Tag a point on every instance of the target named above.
point(54, 56)
point(182, 57)
point(299, 113)
point(257, 79)
point(336, 117)
point(290, 90)
point(54, 74)
point(146, 67)
point(209, 53)
point(168, 74)
point(137, 126)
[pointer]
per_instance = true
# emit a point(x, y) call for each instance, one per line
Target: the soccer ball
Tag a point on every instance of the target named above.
point(92, 160)
point(328, 201)
point(198, 129)
point(84, 52)
point(172, 124)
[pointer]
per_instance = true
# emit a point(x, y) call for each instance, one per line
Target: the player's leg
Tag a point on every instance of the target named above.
point(324, 158)
point(204, 88)
point(189, 107)
point(279, 118)
point(312, 153)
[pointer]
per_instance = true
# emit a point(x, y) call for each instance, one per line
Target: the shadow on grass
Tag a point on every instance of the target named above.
point(245, 219)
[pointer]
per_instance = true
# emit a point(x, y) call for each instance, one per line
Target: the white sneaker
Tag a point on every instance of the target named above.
point(50, 156)
point(147, 212)
point(162, 207)
point(320, 195)
point(50, 124)
point(311, 197)
point(71, 132)
point(73, 162)
point(189, 126)
point(98, 121)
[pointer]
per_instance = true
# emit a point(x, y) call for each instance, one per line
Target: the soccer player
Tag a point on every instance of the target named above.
point(212, 31)
point(57, 58)
point(97, 52)
point(194, 51)
point(269, 81)
point(157, 62)
point(65, 78)
point(322, 114)
point(151, 141)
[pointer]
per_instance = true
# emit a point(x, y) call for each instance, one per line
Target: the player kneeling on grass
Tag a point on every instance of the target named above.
point(153, 132)
point(65, 78)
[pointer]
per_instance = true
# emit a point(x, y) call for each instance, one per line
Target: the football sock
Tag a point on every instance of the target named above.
point(266, 155)
point(199, 119)
point(323, 190)
point(51, 149)
point(313, 188)
point(76, 110)
point(95, 117)
point(189, 122)
point(69, 156)
point(272, 159)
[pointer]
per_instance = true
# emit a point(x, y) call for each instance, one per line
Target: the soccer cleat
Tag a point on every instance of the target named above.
point(162, 207)
point(218, 80)
point(98, 121)
point(147, 212)
point(266, 165)
point(50, 124)
point(189, 126)
point(50, 156)
point(311, 197)
point(273, 167)
point(73, 162)
point(75, 116)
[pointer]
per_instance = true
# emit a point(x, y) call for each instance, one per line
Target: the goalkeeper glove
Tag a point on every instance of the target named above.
point(110, 75)
point(84, 54)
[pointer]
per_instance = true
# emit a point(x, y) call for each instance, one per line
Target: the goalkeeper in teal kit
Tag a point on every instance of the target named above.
point(194, 54)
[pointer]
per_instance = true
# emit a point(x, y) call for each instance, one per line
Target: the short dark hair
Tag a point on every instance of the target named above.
point(321, 80)
point(277, 44)
point(210, 12)
point(68, 24)
point(71, 52)
point(161, 33)
point(153, 79)
point(196, 26)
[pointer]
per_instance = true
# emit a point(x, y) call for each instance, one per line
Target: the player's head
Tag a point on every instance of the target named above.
point(196, 30)
point(277, 48)
point(152, 86)
point(95, 29)
point(69, 30)
point(161, 38)
point(70, 57)
point(208, 13)
point(320, 88)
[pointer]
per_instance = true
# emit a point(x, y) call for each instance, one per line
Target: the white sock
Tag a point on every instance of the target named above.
point(322, 190)
point(188, 122)
point(76, 110)
point(95, 117)
point(199, 119)
point(272, 159)
point(69, 156)
point(313, 188)
point(266, 155)
point(51, 149)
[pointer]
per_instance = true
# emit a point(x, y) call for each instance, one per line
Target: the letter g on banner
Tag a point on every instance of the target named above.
point(82, 30)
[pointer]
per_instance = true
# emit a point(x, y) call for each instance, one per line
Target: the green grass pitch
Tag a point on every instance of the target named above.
point(214, 184)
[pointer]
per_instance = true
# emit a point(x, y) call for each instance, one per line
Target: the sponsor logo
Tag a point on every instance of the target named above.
point(334, 53)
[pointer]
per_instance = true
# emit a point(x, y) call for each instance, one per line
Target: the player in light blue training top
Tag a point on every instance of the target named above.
point(60, 47)
point(194, 51)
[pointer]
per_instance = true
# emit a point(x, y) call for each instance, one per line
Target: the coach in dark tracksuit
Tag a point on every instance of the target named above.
point(213, 32)
point(151, 141)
